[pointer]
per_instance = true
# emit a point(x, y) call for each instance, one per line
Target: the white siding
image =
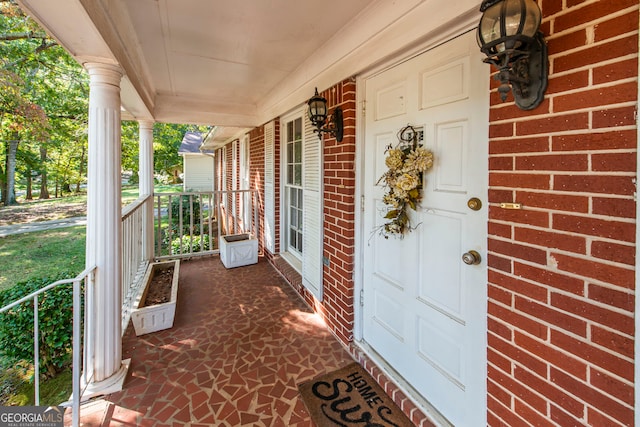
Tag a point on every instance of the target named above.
point(198, 172)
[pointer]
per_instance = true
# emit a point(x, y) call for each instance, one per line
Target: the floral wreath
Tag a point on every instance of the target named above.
point(407, 163)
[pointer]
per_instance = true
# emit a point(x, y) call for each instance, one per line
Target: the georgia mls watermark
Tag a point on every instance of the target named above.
point(31, 416)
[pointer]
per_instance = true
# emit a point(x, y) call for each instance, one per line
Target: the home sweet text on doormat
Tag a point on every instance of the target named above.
point(350, 397)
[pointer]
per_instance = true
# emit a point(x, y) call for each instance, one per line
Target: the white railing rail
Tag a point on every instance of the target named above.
point(191, 223)
point(86, 277)
point(133, 263)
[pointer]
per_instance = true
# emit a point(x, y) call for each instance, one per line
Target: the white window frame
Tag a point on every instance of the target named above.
point(292, 255)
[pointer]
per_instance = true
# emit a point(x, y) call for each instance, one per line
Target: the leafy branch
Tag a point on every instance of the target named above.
point(29, 35)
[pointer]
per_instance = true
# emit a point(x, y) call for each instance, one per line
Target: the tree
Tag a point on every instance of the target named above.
point(19, 117)
point(166, 143)
point(44, 112)
point(34, 72)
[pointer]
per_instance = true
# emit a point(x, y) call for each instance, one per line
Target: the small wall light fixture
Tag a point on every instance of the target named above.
point(508, 33)
point(318, 116)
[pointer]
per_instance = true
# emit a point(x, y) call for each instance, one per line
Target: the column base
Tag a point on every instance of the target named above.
point(110, 385)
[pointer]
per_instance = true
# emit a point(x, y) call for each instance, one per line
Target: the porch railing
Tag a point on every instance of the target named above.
point(191, 224)
point(80, 351)
point(134, 263)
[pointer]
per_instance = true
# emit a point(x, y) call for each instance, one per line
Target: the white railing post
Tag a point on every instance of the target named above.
point(36, 349)
point(77, 351)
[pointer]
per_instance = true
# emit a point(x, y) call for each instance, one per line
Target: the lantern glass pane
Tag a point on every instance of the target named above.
point(514, 17)
point(532, 21)
point(317, 111)
point(489, 28)
point(321, 108)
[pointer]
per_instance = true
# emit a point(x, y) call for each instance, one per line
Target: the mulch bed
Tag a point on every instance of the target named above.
point(159, 289)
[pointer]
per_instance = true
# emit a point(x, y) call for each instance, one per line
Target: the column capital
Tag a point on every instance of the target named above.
point(146, 124)
point(104, 73)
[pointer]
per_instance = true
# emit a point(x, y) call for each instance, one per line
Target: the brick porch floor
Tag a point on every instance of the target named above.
point(241, 342)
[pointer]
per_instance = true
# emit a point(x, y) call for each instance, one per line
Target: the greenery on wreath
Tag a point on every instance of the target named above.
point(407, 162)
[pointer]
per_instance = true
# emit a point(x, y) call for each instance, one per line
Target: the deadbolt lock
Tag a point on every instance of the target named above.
point(474, 204)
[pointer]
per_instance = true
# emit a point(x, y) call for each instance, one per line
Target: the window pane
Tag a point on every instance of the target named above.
point(294, 197)
point(298, 129)
point(300, 220)
point(300, 199)
point(290, 152)
point(298, 175)
point(292, 239)
point(290, 174)
point(294, 217)
point(298, 151)
point(289, 131)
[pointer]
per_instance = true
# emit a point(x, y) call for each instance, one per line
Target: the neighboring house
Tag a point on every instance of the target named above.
point(542, 331)
point(197, 165)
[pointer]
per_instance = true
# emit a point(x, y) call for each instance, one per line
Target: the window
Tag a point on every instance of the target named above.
point(293, 187)
point(301, 198)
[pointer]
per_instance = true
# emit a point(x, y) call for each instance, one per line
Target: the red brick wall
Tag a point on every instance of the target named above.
point(339, 215)
point(561, 269)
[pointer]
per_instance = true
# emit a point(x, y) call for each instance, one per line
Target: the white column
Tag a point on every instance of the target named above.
point(145, 186)
point(104, 228)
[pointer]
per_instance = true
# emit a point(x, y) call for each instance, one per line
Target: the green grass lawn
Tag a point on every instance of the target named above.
point(53, 391)
point(41, 254)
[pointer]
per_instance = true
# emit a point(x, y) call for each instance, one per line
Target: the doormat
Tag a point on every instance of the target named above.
point(350, 397)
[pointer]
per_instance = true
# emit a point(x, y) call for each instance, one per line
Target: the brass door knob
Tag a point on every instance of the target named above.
point(474, 204)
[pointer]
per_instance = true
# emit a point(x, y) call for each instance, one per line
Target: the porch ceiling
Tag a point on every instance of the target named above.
point(235, 63)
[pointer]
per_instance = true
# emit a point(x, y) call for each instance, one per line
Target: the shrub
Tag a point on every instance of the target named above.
point(55, 317)
point(200, 243)
point(183, 203)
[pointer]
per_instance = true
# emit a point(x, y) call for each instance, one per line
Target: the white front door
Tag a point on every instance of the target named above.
point(424, 309)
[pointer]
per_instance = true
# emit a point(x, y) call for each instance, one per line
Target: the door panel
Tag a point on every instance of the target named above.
point(424, 309)
point(445, 84)
point(442, 260)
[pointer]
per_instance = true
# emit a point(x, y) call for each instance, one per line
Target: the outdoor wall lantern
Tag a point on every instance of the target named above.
point(508, 33)
point(318, 116)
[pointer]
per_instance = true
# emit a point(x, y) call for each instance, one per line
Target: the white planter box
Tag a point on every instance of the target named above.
point(237, 250)
point(160, 316)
